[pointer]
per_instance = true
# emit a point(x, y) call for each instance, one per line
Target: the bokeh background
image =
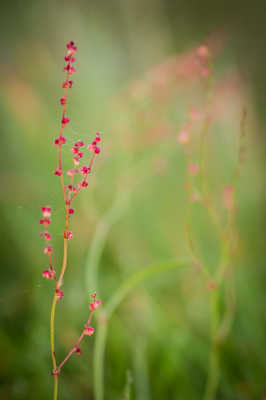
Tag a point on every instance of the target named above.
point(134, 84)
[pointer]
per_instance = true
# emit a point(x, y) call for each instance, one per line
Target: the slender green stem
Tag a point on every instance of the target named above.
point(111, 306)
point(213, 373)
point(55, 387)
point(53, 346)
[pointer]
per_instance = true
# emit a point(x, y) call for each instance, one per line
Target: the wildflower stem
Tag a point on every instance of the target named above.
point(74, 348)
point(53, 346)
point(106, 314)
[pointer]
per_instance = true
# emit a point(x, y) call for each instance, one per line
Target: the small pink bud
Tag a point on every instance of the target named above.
point(93, 306)
point(65, 120)
point(63, 101)
point(60, 140)
point(84, 184)
point(45, 221)
point(71, 211)
point(75, 150)
point(48, 274)
point(78, 351)
point(59, 294)
point(89, 330)
point(97, 150)
point(67, 84)
point(68, 235)
point(84, 170)
point(48, 250)
point(46, 235)
point(98, 139)
point(81, 155)
point(46, 212)
point(58, 172)
point(76, 160)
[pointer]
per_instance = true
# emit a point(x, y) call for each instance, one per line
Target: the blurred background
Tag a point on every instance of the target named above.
point(142, 81)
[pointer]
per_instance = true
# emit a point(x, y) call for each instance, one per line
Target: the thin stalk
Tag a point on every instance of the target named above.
point(213, 374)
point(106, 314)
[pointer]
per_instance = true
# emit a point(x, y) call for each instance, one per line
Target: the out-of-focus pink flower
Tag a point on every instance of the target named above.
point(194, 114)
point(203, 51)
point(193, 169)
point(229, 197)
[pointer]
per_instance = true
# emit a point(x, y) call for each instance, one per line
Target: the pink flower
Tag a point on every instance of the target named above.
point(65, 120)
point(60, 140)
point(75, 150)
point(229, 197)
point(68, 235)
point(78, 351)
point(58, 172)
point(70, 69)
point(84, 170)
point(89, 330)
point(79, 144)
point(84, 184)
point(193, 169)
point(45, 221)
point(59, 294)
point(194, 114)
point(93, 306)
point(203, 51)
point(46, 212)
point(48, 274)
point(46, 235)
point(211, 285)
point(67, 84)
point(63, 101)
point(48, 250)
point(76, 160)
point(93, 145)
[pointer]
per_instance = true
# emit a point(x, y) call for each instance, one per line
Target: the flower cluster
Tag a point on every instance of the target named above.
point(46, 221)
point(77, 178)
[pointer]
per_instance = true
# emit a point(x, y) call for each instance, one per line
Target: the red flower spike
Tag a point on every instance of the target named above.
point(89, 330)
